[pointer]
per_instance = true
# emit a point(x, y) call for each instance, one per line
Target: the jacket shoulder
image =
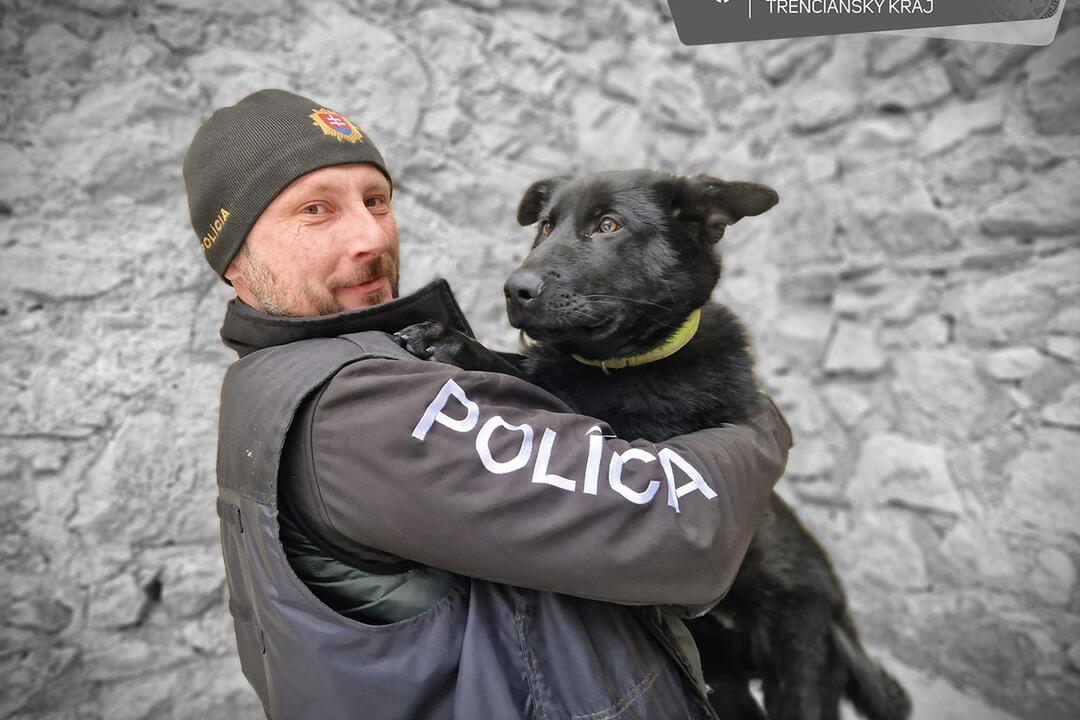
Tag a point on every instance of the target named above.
point(262, 392)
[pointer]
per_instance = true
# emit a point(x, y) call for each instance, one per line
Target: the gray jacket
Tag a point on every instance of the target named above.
point(500, 556)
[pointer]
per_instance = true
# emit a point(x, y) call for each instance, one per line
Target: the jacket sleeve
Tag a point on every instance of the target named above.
point(490, 477)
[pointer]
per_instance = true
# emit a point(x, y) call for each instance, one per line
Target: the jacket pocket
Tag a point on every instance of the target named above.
point(587, 660)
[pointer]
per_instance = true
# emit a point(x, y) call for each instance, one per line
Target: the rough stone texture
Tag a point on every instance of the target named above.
point(1066, 411)
point(1042, 482)
point(914, 303)
point(848, 405)
point(1048, 208)
point(855, 349)
point(958, 122)
point(893, 470)
point(1014, 363)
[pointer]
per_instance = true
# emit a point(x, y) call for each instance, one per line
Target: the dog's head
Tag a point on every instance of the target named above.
point(621, 258)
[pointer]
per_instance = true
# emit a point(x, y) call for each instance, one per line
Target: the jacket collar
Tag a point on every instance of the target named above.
point(246, 329)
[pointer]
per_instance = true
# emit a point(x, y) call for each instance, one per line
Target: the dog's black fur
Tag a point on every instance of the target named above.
point(619, 262)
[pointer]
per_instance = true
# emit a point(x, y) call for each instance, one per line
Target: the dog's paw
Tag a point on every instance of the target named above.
point(431, 340)
point(418, 338)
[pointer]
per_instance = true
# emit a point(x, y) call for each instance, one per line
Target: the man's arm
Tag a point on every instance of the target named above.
point(488, 476)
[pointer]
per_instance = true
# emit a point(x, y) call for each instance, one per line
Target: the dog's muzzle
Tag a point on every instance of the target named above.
point(522, 288)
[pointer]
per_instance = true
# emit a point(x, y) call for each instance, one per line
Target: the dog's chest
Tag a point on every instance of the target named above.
point(708, 383)
point(631, 410)
point(648, 403)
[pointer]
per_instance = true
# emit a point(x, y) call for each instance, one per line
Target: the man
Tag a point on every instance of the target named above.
point(404, 539)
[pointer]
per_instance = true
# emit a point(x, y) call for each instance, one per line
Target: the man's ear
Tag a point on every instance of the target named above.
point(534, 198)
point(713, 204)
point(232, 272)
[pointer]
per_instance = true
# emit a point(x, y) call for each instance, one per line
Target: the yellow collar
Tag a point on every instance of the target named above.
point(669, 347)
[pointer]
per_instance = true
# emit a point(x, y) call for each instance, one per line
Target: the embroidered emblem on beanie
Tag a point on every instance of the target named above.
point(335, 125)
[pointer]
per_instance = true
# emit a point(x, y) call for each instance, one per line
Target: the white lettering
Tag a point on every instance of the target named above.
point(469, 415)
point(697, 482)
point(615, 476)
point(434, 413)
point(483, 446)
point(540, 473)
point(847, 7)
point(592, 465)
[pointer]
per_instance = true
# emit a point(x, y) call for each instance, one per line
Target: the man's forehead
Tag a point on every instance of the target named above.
point(353, 176)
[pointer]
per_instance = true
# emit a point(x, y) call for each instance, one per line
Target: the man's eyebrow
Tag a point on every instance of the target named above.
point(330, 188)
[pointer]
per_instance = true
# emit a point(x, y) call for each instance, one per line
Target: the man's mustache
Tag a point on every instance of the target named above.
point(382, 266)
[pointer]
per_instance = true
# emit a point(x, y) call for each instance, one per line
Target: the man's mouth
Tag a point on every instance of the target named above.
point(371, 278)
point(364, 288)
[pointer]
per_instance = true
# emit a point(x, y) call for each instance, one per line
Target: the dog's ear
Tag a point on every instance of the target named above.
point(738, 199)
point(534, 198)
point(716, 203)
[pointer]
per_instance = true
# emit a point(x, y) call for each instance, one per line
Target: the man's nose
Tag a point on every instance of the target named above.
point(367, 237)
point(523, 287)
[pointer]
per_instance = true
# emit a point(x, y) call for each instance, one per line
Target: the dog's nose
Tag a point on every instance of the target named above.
point(523, 286)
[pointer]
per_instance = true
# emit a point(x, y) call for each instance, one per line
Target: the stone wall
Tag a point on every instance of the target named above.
point(914, 302)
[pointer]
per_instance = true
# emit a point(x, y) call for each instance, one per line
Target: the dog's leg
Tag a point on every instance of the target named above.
point(520, 362)
point(431, 340)
point(725, 665)
point(731, 698)
point(798, 683)
point(833, 683)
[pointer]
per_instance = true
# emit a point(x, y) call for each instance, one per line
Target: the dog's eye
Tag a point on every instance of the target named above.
point(607, 224)
point(545, 227)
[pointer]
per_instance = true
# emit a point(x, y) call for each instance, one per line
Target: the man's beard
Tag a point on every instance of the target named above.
point(382, 266)
point(274, 300)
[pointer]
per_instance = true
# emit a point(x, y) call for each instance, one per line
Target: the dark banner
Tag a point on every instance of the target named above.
point(716, 21)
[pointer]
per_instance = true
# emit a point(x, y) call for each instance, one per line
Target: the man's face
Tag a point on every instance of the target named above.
point(327, 243)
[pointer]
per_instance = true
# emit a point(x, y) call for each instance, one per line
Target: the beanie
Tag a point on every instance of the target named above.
point(243, 155)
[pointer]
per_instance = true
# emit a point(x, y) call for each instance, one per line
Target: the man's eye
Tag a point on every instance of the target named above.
point(377, 204)
point(313, 209)
point(545, 227)
point(607, 224)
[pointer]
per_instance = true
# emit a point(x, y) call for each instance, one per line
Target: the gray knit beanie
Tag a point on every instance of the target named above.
point(243, 155)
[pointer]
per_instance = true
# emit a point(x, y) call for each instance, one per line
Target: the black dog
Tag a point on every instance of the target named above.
point(620, 262)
